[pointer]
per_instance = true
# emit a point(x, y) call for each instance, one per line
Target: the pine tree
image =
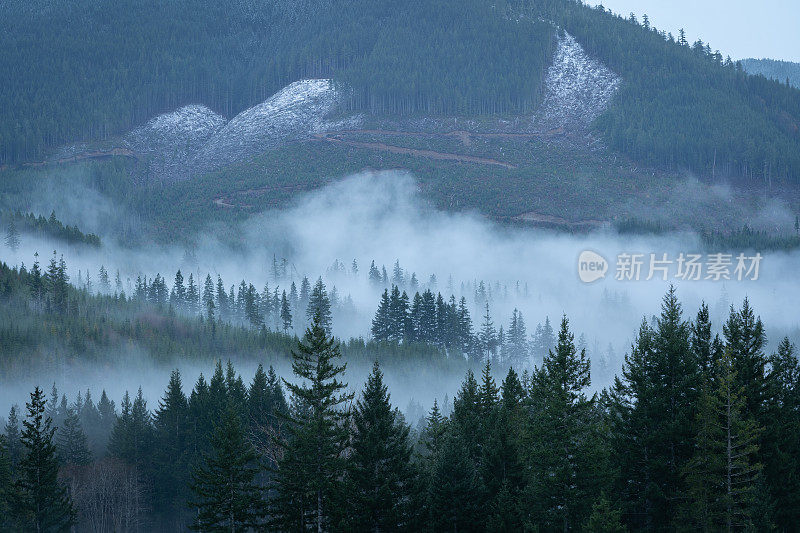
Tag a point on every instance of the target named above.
point(319, 304)
point(225, 494)
point(702, 343)
point(108, 418)
point(286, 313)
point(564, 444)
point(381, 328)
point(308, 475)
point(12, 236)
point(487, 336)
point(178, 296)
point(435, 428)
point(455, 494)
point(192, 296)
point(780, 442)
point(605, 518)
point(379, 465)
point(44, 504)
point(8, 495)
point(171, 434)
point(654, 408)
point(132, 437)
point(73, 448)
point(374, 274)
point(745, 338)
point(723, 473)
point(267, 410)
point(13, 442)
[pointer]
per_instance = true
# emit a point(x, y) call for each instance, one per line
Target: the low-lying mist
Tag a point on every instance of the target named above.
point(382, 216)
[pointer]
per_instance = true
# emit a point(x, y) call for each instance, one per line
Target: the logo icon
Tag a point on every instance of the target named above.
point(591, 266)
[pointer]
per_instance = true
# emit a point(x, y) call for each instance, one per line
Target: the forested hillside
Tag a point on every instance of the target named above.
point(681, 105)
point(659, 450)
point(685, 105)
point(782, 71)
point(119, 63)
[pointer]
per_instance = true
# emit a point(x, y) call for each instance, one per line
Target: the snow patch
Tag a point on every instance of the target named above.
point(169, 141)
point(196, 121)
point(295, 112)
point(577, 87)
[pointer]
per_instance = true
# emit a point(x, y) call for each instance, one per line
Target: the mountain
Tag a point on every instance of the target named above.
point(774, 69)
point(533, 111)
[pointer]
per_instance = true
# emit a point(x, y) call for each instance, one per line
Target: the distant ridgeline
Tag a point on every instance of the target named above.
point(680, 105)
point(773, 69)
point(738, 239)
point(50, 227)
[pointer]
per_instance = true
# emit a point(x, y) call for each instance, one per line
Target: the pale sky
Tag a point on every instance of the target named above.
point(739, 28)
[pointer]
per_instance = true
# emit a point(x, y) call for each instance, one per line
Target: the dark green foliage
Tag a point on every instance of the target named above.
point(319, 305)
point(564, 440)
point(225, 494)
point(455, 493)
point(605, 518)
point(72, 445)
point(44, 504)
point(132, 437)
point(51, 227)
point(13, 442)
point(653, 410)
point(781, 71)
point(675, 444)
point(170, 455)
point(722, 474)
point(313, 462)
point(745, 339)
point(749, 239)
point(780, 443)
point(453, 57)
point(8, 495)
point(733, 124)
point(379, 468)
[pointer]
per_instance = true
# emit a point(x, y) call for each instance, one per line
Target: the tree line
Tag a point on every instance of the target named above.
point(17, 223)
point(699, 431)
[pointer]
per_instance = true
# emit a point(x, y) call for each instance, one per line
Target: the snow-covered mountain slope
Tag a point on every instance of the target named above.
point(577, 88)
point(168, 142)
point(295, 112)
point(196, 139)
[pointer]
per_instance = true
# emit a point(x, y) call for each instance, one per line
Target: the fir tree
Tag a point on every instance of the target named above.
point(435, 427)
point(44, 504)
point(286, 313)
point(132, 437)
point(171, 433)
point(73, 448)
point(563, 486)
point(308, 475)
point(8, 495)
point(12, 236)
point(320, 305)
point(722, 475)
point(487, 336)
point(379, 465)
point(225, 494)
point(381, 327)
point(780, 442)
point(605, 518)
point(13, 442)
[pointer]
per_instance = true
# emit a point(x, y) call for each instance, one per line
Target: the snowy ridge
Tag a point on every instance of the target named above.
point(191, 123)
point(577, 87)
point(169, 141)
point(196, 139)
point(295, 112)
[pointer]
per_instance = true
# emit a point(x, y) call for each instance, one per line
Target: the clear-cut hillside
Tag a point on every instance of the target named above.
point(577, 87)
